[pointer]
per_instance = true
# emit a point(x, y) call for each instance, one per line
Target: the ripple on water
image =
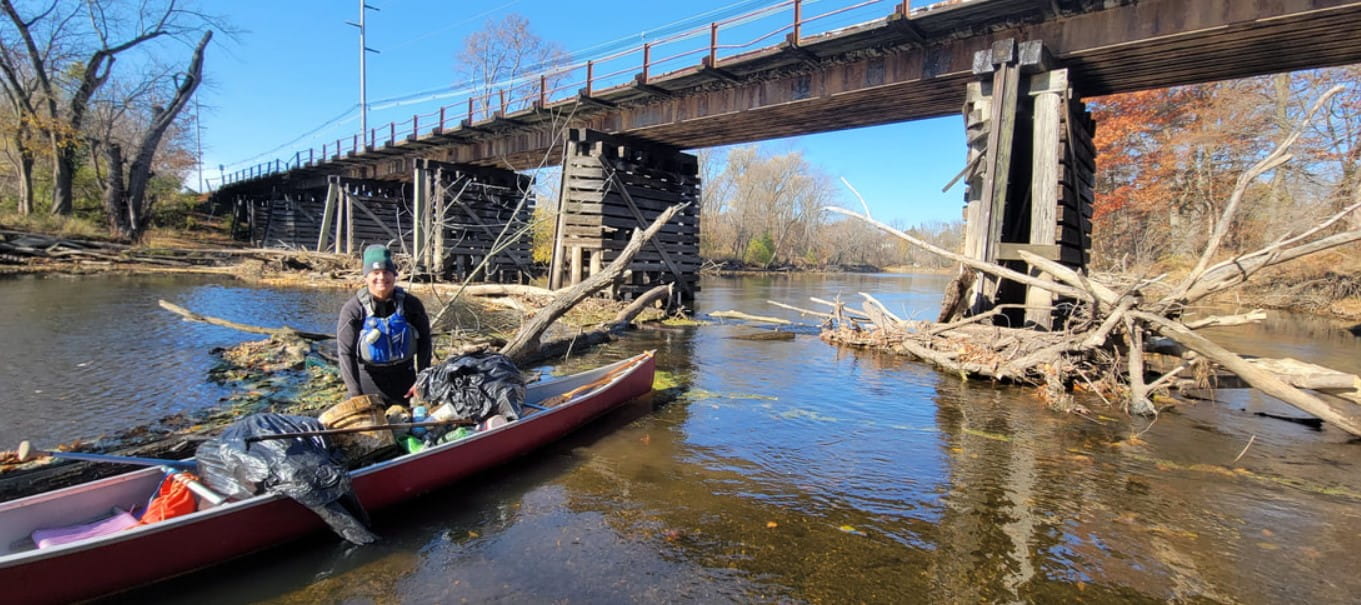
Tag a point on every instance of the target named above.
point(796, 471)
point(88, 356)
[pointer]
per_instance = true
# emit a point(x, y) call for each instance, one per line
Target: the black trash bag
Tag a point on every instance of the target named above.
point(298, 467)
point(477, 386)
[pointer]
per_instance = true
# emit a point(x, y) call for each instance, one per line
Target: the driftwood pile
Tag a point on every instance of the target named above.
point(20, 248)
point(1103, 342)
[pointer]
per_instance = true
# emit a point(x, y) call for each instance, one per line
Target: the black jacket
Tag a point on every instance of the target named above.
point(392, 382)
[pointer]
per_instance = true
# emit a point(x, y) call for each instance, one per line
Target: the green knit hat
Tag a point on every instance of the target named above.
point(378, 256)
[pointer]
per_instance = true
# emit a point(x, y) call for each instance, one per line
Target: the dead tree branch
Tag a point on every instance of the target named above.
point(527, 339)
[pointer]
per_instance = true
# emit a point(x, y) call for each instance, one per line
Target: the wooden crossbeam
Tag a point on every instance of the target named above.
point(623, 189)
point(586, 99)
point(718, 73)
point(472, 213)
point(640, 84)
point(790, 47)
point(901, 24)
point(365, 209)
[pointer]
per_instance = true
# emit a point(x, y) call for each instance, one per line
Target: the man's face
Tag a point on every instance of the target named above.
point(381, 283)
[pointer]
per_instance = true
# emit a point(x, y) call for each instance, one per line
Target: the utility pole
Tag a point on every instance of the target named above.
point(198, 130)
point(363, 74)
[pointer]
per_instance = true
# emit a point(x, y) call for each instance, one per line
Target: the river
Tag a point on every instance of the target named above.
point(787, 471)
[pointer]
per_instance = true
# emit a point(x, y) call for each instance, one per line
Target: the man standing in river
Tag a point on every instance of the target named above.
point(383, 333)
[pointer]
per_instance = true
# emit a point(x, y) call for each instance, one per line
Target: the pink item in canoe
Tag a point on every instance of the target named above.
point(121, 520)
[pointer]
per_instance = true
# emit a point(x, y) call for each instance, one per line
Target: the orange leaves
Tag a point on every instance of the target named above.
point(1136, 143)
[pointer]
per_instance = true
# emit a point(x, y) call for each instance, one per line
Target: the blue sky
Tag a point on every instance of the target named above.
point(294, 69)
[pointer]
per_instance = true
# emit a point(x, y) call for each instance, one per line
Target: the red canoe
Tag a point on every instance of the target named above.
point(103, 565)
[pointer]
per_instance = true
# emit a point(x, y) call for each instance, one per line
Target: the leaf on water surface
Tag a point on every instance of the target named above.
point(806, 414)
point(850, 529)
point(662, 380)
point(987, 435)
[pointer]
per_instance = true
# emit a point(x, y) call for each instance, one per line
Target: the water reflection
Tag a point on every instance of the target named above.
point(794, 471)
point(84, 356)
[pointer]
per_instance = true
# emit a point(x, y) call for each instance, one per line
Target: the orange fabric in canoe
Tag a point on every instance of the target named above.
point(172, 500)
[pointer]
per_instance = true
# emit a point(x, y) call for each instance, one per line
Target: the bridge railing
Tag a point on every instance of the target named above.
point(708, 46)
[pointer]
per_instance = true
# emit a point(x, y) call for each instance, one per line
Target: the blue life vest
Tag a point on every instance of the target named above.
point(386, 341)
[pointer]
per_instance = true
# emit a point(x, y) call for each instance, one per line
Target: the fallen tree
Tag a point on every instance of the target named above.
point(1102, 340)
point(526, 344)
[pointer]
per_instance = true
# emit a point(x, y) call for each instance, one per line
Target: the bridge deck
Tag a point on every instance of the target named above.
point(892, 70)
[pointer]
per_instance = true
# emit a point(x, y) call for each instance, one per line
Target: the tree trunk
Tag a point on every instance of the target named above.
point(132, 202)
point(115, 195)
point(63, 176)
point(526, 340)
point(25, 166)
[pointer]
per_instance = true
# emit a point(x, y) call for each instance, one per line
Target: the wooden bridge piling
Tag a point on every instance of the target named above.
point(1030, 144)
point(612, 185)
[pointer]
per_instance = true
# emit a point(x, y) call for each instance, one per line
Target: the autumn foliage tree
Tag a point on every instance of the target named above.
point(96, 123)
point(1169, 158)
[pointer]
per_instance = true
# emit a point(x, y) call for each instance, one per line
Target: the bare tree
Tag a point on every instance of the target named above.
point(126, 201)
point(70, 48)
point(18, 87)
point(505, 55)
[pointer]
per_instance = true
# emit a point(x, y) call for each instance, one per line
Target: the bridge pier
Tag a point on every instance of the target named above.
point(612, 185)
point(1030, 174)
point(449, 219)
point(472, 221)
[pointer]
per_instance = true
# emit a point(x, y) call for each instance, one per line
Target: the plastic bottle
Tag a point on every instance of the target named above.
point(418, 414)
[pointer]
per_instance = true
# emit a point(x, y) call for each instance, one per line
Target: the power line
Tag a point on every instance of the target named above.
point(576, 59)
point(432, 32)
point(344, 116)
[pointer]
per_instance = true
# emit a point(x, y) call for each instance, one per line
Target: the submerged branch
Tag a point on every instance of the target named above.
point(284, 331)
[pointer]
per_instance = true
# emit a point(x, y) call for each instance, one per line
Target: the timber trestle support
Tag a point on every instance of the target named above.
point(451, 220)
point(1030, 175)
point(612, 186)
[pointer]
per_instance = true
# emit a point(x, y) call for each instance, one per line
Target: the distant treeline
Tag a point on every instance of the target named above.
point(766, 209)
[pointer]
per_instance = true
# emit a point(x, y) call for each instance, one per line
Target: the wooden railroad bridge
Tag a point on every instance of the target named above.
point(445, 184)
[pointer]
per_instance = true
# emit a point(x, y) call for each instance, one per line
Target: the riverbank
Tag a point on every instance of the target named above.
point(1328, 286)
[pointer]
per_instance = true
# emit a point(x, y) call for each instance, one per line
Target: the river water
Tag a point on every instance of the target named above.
point(787, 471)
